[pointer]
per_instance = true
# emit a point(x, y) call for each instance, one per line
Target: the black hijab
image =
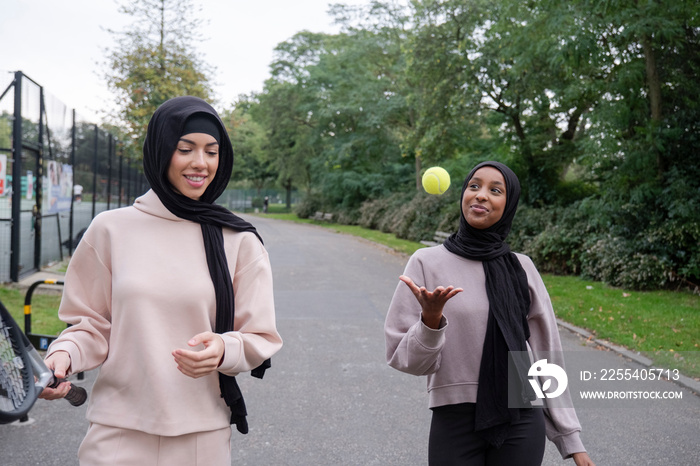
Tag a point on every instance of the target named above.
point(509, 302)
point(164, 131)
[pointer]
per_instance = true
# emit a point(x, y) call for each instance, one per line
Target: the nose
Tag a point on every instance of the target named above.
point(482, 194)
point(198, 158)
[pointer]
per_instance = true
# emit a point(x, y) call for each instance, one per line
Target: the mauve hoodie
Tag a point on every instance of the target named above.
point(450, 356)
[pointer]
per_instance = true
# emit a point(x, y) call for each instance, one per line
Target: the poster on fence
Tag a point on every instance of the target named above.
point(58, 185)
point(30, 185)
point(3, 173)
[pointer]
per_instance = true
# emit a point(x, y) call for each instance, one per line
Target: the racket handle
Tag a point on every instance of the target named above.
point(76, 395)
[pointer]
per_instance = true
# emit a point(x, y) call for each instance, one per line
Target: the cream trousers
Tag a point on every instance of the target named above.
point(113, 446)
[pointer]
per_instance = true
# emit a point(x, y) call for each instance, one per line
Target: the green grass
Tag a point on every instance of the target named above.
point(272, 209)
point(291, 217)
point(44, 309)
point(664, 325)
point(387, 239)
point(278, 209)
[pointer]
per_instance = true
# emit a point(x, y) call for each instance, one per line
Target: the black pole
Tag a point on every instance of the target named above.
point(72, 188)
point(110, 154)
point(94, 172)
point(121, 175)
point(128, 181)
point(39, 170)
point(16, 180)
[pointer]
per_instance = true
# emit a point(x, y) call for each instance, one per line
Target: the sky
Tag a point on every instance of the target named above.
point(60, 44)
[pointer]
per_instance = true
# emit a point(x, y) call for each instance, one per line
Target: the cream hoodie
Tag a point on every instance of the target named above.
point(137, 288)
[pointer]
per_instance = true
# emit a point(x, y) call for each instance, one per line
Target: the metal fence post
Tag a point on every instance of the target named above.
point(16, 179)
point(94, 171)
point(121, 175)
point(72, 188)
point(39, 170)
point(110, 153)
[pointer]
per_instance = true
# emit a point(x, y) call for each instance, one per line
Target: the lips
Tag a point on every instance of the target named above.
point(478, 208)
point(195, 180)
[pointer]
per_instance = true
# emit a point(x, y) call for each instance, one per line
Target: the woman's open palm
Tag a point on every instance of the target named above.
point(431, 302)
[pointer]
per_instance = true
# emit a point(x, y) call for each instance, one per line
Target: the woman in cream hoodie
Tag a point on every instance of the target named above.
point(171, 298)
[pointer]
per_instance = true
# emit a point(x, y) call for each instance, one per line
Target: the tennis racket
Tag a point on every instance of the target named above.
point(23, 374)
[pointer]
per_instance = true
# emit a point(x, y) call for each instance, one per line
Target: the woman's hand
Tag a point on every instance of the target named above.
point(431, 302)
point(582, 459)
point(59, 363)
point(200, 363)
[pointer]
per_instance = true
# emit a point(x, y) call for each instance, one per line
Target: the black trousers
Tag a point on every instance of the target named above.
point(453, 441)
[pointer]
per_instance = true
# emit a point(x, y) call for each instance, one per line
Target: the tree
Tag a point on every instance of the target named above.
point(248, 139)
point(595, 105)
point(367, 109)
point(351, 107)
point(155, 60)
point(444, 100)
point(289, 146)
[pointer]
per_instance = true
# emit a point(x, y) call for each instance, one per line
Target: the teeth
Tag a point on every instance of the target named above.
point(195, 178)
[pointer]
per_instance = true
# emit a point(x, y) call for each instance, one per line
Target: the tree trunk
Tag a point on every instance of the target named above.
point(288, 187)
point(654, 85)
point(652, 80)
point(161, 45)
point(419, 184)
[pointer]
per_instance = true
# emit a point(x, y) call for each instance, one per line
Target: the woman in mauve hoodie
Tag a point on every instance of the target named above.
point(171, 298)
point(459, 312)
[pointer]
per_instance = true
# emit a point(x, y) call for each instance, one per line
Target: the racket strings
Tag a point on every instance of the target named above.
point(13, 390)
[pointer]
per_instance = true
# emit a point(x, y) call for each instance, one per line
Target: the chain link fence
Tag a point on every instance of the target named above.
point(57, 171)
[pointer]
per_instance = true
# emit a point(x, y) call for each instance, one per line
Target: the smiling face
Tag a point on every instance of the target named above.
point(194, 164)
point(484, 200)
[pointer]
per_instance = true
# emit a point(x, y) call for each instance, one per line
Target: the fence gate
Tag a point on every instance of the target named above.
point(47, 155)
point(21, 134)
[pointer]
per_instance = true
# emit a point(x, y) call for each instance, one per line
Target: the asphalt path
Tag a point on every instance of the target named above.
point(330, 399)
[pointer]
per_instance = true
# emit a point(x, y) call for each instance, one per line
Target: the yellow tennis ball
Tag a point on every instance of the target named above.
point(436, 180)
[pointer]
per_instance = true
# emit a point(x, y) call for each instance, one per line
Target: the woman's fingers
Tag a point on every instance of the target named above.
point(55, 393)
point(200, 363)
point(444, 294)
point(440, 293)
point(415, 289)
point(453, 292)
point(59, 363)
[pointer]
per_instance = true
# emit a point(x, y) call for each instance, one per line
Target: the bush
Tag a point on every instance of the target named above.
point(552, 236)
point(527, 225)
point(620, 243)
point(615, 261)
point(411, 215)
point(308, 206)
point(429, 214)
point(373, 213)
point(346, 216)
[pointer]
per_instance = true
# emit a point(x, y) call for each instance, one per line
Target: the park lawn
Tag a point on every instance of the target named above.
point(663, 325)
point(387, 239)
point(44, 309)
point(278, 209)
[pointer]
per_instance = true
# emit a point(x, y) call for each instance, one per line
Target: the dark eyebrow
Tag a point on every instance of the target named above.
point(192, 142)
point(480, 180)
